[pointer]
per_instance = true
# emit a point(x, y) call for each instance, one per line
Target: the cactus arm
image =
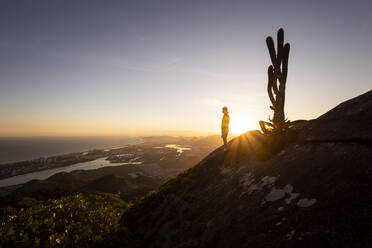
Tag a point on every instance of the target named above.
point(274, 61)
point(272, 99)
point(275, 86)
point(270, 46)
point(271, 77)
point(280, 46)
point(285, 63)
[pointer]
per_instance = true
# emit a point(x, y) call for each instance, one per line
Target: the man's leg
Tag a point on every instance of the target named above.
point(224, 137)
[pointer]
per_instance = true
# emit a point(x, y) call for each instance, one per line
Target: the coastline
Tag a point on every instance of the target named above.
point(20, 149)
point(159, 157)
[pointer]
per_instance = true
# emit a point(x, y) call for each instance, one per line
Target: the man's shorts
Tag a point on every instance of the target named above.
point(224, 135)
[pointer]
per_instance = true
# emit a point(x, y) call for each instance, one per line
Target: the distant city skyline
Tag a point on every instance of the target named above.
point(81, 68)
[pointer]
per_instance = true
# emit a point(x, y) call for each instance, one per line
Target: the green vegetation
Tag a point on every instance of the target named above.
point(79, 219)
point(169, 208)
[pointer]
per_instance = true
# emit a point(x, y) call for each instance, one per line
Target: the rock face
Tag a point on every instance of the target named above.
point(350, 120)
point(315, 192)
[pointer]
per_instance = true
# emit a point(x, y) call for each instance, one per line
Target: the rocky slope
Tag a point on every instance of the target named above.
point(313, 192)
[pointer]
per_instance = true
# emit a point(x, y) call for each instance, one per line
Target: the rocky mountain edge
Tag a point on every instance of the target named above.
point(315, 191)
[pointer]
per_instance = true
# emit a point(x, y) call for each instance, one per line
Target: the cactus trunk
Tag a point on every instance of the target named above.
point(277, 78)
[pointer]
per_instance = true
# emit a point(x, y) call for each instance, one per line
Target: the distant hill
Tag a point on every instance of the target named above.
point(128, 180)
point(314, 192)
point(209, 140)
point(164, 157)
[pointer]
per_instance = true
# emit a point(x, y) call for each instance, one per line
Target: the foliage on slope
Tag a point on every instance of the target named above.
point(169, 207)
point(80, 219)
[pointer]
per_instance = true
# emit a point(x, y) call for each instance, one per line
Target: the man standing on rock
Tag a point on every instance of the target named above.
point(225, 127)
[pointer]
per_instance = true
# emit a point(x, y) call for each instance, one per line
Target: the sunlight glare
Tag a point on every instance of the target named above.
point(241, 124)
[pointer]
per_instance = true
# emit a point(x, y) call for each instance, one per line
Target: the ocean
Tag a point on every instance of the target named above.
point(13, 149)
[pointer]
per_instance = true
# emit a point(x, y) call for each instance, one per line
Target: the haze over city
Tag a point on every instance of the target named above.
point(77, 68)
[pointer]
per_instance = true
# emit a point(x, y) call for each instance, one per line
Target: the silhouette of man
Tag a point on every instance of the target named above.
point(225, 127)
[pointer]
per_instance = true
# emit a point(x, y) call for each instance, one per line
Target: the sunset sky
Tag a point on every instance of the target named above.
point(168, 67)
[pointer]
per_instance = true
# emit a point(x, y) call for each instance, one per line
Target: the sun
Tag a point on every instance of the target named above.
point(241, 124)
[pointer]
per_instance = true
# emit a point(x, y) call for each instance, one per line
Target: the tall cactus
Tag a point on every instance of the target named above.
point(277, 73)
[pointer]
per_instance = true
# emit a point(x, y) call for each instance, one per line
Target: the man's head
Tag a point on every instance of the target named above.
point(224, 110)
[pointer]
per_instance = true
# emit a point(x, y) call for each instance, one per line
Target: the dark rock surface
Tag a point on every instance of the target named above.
point(315, 192)
point(349, 120)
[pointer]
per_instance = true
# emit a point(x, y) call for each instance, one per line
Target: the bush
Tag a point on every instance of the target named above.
point(75, 220)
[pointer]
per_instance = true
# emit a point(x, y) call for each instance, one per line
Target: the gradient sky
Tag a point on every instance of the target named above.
point(167, 67)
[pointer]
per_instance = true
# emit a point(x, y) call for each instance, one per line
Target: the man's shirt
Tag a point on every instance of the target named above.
point(225, 123)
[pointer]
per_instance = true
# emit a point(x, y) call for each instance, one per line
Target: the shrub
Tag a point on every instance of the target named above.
point(75, 220)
